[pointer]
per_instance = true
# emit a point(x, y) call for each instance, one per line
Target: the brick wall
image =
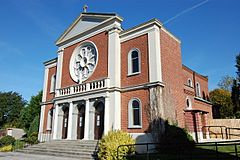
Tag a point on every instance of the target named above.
point(101, 70)
point(47, 108)
point(172, 73)
point(143, 95)
point(50, 95)
point(142, 44)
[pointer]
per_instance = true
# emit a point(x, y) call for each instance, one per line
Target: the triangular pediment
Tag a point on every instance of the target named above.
point(83, 23)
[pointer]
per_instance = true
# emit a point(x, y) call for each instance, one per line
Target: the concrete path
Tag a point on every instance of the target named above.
point(23, 156)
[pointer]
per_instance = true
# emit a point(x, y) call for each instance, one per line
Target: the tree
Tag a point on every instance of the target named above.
point(32, 110)
point(238, 65)
point(235, 96)
point(226, 83)
point(11, 104)
point(221, 99)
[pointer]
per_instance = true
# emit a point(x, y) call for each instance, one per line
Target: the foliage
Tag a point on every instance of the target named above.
point(11, 104)
point(19, 144)
point(31, 111)
point(34, 125)
point(177, 136)
point(109, 144)
point(238, 65)
point(7, 148)
point(7, 140)
point(32, 139)
point(226, 83)
point(221, 99)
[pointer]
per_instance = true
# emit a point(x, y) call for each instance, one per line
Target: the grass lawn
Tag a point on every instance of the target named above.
point(206, 152)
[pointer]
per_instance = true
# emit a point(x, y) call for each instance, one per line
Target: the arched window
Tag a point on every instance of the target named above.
point(134, 62)
point(189, 82)
point(188, 103)
point(198, 90)
point(134, 113)
point(53, 83)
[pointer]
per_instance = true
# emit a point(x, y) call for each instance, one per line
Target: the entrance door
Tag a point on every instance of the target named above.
point(81, 122)
point(65, 122)
point(99, 121)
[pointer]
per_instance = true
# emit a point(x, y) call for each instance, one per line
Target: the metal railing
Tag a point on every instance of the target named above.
point(209, 150)
point(221, 131)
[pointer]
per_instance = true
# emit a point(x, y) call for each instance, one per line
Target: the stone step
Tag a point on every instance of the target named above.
point(61, 149)
point(67, 148)
point(79, 156)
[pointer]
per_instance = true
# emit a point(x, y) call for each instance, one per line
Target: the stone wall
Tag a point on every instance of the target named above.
point(231, 125)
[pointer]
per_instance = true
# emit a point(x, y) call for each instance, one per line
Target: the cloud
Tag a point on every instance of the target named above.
point(185, 11)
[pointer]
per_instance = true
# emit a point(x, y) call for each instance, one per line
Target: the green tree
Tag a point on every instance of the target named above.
point(238, 65)
point(222, 99)
point(226, 83)
point(11, 104)
point(32, 110)
point(235, 96)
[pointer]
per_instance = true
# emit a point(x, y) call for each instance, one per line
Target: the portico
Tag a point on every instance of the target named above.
point(81, 119)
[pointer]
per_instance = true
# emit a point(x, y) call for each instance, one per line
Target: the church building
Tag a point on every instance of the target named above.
point(107, 78)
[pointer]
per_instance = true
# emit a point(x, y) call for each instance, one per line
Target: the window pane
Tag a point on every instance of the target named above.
point(136, 118)
point(136, 112)
point(135, 61)
point(135, 104)
point(135, 65)
point(134, 54)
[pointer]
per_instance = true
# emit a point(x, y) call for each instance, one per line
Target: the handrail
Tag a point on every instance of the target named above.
point(227, 130)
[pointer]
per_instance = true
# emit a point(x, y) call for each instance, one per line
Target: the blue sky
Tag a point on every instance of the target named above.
point(208, 29)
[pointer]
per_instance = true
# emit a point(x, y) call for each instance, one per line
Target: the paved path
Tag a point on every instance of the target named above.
point(23, 156)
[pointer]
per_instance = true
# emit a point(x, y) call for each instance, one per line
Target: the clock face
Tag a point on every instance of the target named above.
point(83, 61)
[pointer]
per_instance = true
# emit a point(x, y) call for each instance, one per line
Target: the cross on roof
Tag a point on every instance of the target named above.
point(85, 8)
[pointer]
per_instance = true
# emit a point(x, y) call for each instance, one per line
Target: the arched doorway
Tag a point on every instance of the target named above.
point(65, 121)
point(81, 121)
point(99, 120)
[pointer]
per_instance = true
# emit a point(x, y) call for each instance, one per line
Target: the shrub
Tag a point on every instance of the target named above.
point(7, 140)
point(18, 144)
point(7, 148)
point(175, 137)
point(32, 139)
point(108, 145)
point(33, 126)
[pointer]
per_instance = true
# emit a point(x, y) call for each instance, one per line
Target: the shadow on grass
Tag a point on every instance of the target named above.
point(177, 144)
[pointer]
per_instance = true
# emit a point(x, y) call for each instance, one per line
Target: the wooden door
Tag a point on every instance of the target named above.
point(65, 122)
point(99, 121)
point(81, 122)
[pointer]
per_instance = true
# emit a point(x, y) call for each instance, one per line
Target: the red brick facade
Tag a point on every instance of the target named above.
point(175, 76)
point(50, 95)
point(140, 43)
point(172, 72)
point(47, 109)
point(101, 70)
point(143, 96)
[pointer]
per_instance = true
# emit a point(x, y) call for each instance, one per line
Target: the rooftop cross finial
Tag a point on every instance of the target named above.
point(85, 8)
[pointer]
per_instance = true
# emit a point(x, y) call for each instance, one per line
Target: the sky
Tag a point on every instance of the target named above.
point(209, 31)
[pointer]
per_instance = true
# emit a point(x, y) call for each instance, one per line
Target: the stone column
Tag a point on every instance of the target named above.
point(86, 125)
point(70, 121)
point(41, 123)
point(106, 116)
point(56, 121)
